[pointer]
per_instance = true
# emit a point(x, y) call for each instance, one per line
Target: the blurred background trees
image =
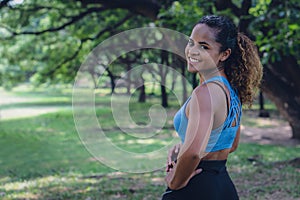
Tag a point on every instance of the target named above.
point(45, 42)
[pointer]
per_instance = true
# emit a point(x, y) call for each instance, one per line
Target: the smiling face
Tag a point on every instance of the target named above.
point(202, 51)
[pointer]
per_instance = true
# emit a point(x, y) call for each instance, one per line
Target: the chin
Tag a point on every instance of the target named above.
point(192, 69)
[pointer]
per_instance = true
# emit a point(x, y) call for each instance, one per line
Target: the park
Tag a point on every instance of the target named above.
point(89, 89)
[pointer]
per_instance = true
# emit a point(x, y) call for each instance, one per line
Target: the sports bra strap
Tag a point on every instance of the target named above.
point(234, 108)
point(227, 101)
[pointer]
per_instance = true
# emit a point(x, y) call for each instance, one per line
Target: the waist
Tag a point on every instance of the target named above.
point(216, 166)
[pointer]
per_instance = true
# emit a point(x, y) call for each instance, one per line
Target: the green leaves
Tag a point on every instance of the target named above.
point(58, 35)
point(182, 15)
point(277, 31)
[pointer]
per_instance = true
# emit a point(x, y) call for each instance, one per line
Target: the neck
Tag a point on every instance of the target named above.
point(219, 71)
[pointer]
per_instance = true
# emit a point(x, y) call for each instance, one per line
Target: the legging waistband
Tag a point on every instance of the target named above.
point(216, 166)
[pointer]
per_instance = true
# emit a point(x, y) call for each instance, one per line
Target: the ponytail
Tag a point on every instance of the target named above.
point(245, 72)
point(243, 68)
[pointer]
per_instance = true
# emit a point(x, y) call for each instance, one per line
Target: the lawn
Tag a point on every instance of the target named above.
point(42, 156)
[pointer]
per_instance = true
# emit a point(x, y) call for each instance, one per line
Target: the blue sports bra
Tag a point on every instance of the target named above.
point(223, 136)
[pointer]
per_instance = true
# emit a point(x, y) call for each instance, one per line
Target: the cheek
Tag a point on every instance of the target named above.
point(186, 50)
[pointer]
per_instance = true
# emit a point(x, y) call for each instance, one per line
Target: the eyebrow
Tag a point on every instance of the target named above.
point(204, 43)
point(201, 42)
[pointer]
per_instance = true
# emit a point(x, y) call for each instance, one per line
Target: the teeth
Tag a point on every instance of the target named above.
point(194, 60)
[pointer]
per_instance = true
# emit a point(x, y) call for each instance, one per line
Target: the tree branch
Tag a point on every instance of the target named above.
point(52, 71)
point(36, 8)
point(246, 18)
point(148, 8)
point(8, 30)
point(223, 5)
point(242, 13)
point(246, 5)
point(72, 21)
point(108, 29)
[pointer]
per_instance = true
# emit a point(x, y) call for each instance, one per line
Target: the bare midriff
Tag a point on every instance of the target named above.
point(218, 155)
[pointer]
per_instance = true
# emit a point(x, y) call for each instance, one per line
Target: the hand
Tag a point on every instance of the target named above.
point(170, 175)
point(172, 156)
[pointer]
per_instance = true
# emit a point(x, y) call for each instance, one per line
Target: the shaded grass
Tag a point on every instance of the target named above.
point(254, 178)
point(265, 171)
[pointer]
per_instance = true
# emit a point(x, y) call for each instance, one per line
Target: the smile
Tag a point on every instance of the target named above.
point(193, 60)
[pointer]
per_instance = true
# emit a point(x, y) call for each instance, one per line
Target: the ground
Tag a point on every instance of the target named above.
point(274, 130)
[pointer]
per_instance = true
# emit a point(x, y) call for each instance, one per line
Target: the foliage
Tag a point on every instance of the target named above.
point(182, 15)
point(270, 25)
point(48, 41)
point(277, 30)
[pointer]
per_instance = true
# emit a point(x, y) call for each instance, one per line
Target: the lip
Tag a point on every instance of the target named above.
point(193, 60)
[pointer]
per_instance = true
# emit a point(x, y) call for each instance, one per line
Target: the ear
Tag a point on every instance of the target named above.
point(225, 54)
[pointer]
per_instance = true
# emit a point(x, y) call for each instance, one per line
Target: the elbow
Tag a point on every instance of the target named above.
point(191, 155)
point(233, 148)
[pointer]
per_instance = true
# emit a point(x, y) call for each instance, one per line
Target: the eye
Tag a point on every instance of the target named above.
point(190, 42)
point(203, 47)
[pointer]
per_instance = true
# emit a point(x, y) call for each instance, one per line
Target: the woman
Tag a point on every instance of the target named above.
point(209, 121)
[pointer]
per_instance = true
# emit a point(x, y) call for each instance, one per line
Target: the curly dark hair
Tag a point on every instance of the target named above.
point(243, 67)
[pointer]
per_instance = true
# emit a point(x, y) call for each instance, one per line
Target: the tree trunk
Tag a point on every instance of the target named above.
point(179, 63)
point(262, 111)
point(281, 82)
point(164, 95)
point(112, 80)
point(128, 79)
point(183, 79)
point(142, 97)
point(163, 74)
point(174, 77)
point(94, 80)
point(281, 85)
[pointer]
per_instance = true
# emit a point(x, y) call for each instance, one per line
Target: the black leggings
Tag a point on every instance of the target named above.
point(213, 183)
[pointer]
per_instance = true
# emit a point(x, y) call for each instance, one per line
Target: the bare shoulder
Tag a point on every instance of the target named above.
point(207, 90)
point(201, 97)
point(208, 95)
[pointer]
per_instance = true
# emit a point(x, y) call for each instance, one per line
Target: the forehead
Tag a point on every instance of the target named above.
point(203, 33)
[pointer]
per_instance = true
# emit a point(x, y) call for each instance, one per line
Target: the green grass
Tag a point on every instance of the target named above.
point(265, 172)
point(42, 145)
point(43, 157)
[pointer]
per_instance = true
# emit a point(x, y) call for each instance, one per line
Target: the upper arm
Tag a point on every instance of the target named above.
point(200, 123)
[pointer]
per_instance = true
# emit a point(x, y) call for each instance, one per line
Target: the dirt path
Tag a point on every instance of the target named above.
point(25, 112)
point(278, 135)
point(12, 113)
point(274, 130)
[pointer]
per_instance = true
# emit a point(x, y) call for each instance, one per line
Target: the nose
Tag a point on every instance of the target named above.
point(193, 51)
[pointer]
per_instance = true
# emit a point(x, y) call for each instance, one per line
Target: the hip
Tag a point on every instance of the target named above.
point(213, 183)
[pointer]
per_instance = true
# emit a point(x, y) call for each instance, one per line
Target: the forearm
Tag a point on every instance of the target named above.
point(196, 138)
point(186, 165)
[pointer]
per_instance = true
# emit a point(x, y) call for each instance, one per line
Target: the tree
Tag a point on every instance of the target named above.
point(72, 28)
point(66, 30)
point(279, 42)
point(274, 25)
